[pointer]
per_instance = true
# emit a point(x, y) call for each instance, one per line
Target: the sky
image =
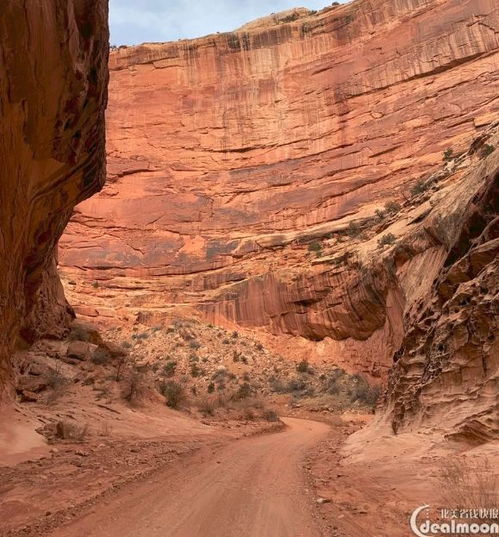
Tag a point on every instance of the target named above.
point(137, 21)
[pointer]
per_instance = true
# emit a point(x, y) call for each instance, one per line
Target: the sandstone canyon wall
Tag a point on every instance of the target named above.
point(53, 92)
point(245, 170)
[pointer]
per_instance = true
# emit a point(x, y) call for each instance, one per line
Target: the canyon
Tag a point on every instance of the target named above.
point(298, 218)
point(247, 172)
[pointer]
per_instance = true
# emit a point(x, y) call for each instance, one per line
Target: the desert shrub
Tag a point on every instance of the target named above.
point(138, 337)
point(219, 374)
point(135, 387)
point(225, 341)
point(487, 149)
point(315, 247)
point(363, 392)
point(354, 229)
point(243, 392)
point(387, 238)
point(169, 368)
point(55, 378)
point(380, 214)
point(194, 344)
point(206, 405)
point(78, 333)
point(211, 387)
point(173, 392)
point(276, 384)
point(122, 365)
point(58, 382)
point(270, 415)
point(469, 484)
point(392, 207)
point(95, 285)
point(101, 356)
point(236, 356)
point(259, 347)
point(419, 187)
point(235, 334)
point(66, 430)
point(448, 155)
point(296, 385)
point(290, 18)
point(302, 367)
point(196, 371)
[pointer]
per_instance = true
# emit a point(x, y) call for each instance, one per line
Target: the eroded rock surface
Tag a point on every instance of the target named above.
point(447, 367)
point(53, 91)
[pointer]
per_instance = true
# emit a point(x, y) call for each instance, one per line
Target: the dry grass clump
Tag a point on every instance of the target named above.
point(136, 387)
point(247, 408)
point(58, 384)
point(469, 484)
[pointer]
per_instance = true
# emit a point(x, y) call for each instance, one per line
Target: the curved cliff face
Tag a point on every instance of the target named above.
point(53, 91)
point(446, 370)
point(237, 161)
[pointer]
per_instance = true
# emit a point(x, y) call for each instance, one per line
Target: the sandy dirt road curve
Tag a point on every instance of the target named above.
point(251, 488)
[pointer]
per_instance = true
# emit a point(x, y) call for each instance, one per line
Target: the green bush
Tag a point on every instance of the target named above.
point(302, 367)
point(173, 393)
point(169, 368)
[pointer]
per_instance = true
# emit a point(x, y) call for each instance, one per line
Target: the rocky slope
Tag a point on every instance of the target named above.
point(282, 178)
point(53, 90)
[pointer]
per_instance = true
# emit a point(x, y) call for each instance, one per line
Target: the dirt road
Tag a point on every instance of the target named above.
point(251, 488)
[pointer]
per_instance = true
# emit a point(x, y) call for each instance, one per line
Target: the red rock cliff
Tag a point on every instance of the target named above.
point(53, 91)
point(231, 156)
